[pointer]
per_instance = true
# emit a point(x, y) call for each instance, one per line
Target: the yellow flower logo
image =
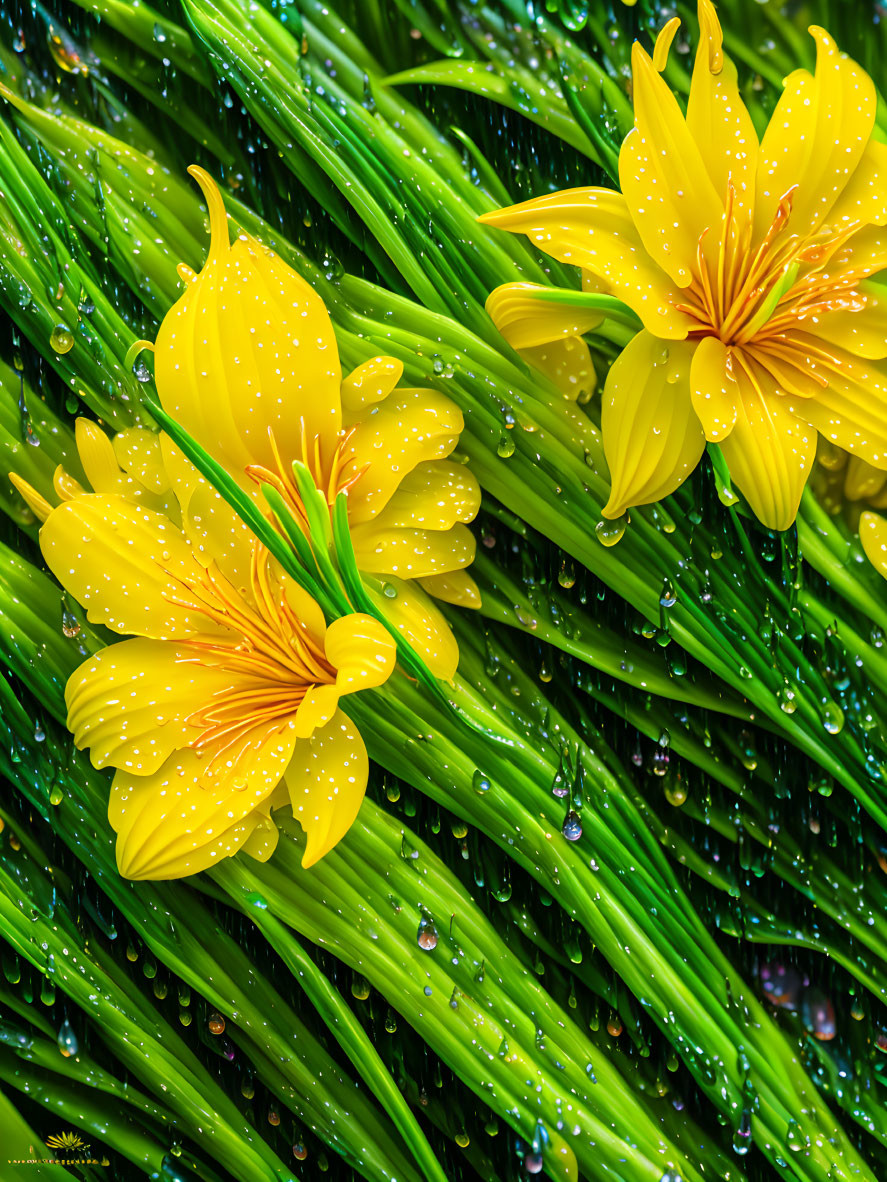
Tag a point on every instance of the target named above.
point(66, 1141)
point(748, 264)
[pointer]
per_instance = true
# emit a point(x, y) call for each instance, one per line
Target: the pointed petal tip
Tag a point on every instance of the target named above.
point(218, 215)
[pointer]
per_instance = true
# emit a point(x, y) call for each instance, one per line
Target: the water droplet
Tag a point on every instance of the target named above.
point(572, 828)
point(742, 1134)
point(608, 533)
point(566, 576)
point(67, 1040)
point(833, 718)
point(389, 591)
point(480, 782)
point(505, 446)
point(667, 596)
point(61, 339)
point(427, 934)
point(216, 1023)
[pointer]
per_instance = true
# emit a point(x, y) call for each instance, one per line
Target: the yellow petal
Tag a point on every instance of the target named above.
point(97, 457)
point(125, 564)
point(851, 409)
point(815, 139)
point(130, 702)
point(770, 450)
point(713, 389)
point(248, 348)
point(369, 383)
point(567, 364)
point(593, 229)
point(435, 495)
point(316, 709)
point(361, 650)
point(863, 331)
point(35, 501)
point(662, 175)
point(186, 816)
point(873, 535)
point(526, 320)
point(652, 437)
point(327, 779)
point(862, 482)
point(412, 553)
point(456, 587)
point(408, 428)
point(864, 199)
point(262, 842)
point(138, 453)
point(421, 623)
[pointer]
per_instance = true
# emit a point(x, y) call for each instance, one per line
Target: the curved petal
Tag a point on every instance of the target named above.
point(862, 332)
point(770, 450)
point(125, 564)
point(567, 364)
point(815, 139)
point(327, 779)
point(456, 587)
point(130, 702)
point(593, 229)
point(361, 650)
point(525, 320)
point(435, 495)
point(249, 347)
point(98, 459)
point(139, 454)
point(851, 409)
point(864, 199)
point(368, 384)
point(316, 709)
point(185, 817)
point(410, 427)
point(412, 553)
point(713, 388)
point(873, 535)
point(663, 176)
point(652, 437)
point(421, 623)
point(862, 482)
point(717, 118)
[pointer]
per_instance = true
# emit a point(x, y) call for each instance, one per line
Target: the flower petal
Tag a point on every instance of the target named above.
point(525, 320)
point(327, 779)
point(662, 174)
point(185, 817)
point(713, 389)
point(770, 450)
point(851, 410)
point(567, 364)
point(249, 347)
point(316, 709)
point(125, 564)
point(361, 650)
point(717, 118)
point(862, 482)
point(815, 139)
point(370, 383)
point(862, 332)
point(456, 587)
point(412, 553)
point(593, 229)
point(652, 437)
point(864, 199)
point(407, 608)
point(435, 495)
point(410, 427)
point(138, 453)
point(873, 535)
point(130, 702)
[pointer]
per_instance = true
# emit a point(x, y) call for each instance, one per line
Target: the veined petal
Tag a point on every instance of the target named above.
point(130, 703)
point(361, 650)
point(419, 621)
point(125, 564)
point(248, 348)
point(862, 482)
point(717, 118)
point(815, 139)
point(873, 535)
point(863, 332)
point(770, 450)
point(663, 177)
point(567, 364)
point(410, 427)
point(456, 587)
point(368, 384)
point(185, 817)
point(412, 553)
point(713, 389)
point(327, 779)
point(436, 495)
point(652, 437)
point(851, 410)
point(593, 229)
point(98, 459)
point(525, 320)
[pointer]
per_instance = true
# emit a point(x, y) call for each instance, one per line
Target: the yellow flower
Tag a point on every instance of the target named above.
point(224, 702)
point(847, 485)
point(247, 362)
point(747, 264)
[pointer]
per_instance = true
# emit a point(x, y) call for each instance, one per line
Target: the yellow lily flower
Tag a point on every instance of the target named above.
point(247, 362)
point(747, 264)
point(223, 704)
